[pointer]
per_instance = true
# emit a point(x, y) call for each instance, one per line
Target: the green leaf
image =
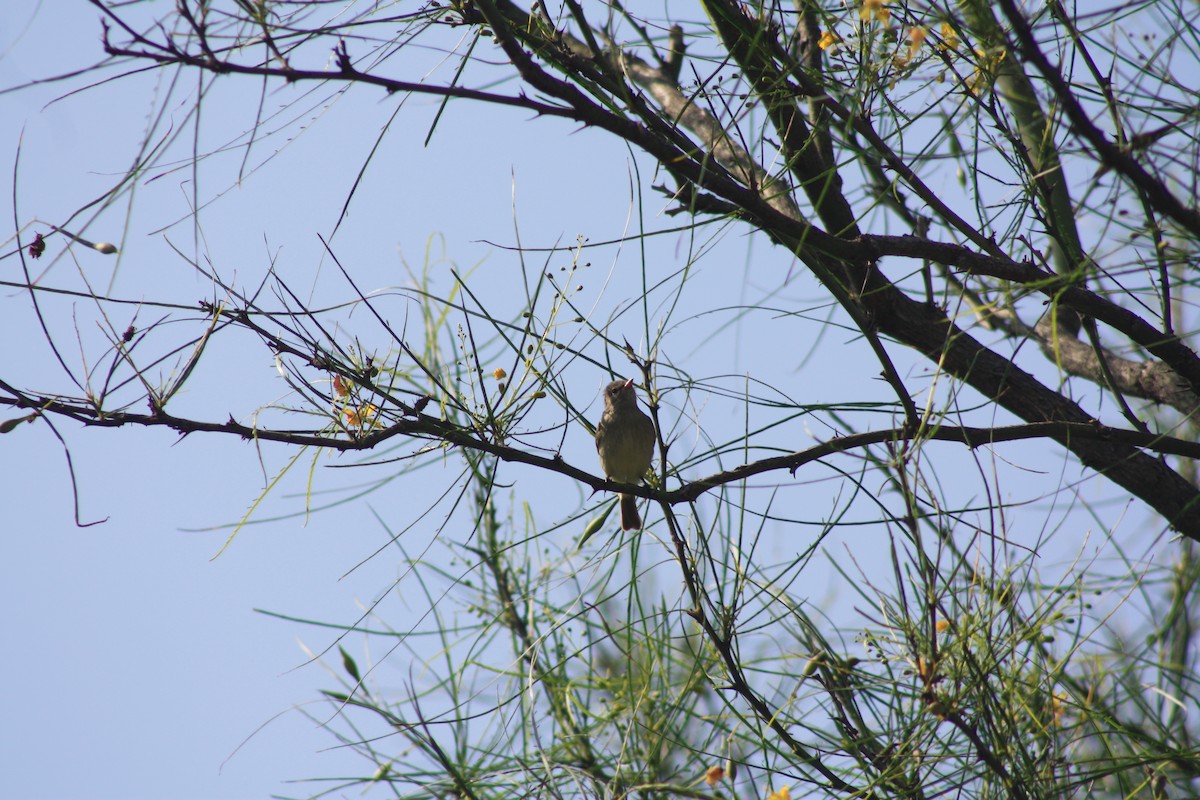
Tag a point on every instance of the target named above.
point(596, 524)
point(10, 425)
point(349, 665)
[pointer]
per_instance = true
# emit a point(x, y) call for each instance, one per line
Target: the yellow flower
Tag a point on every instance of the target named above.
point(363, 417)
point(916, 38)
point(986, 67)
point(828, 40)
point(1057, 709)
point(942, 625)
point(499, 374)
point(784, 793)
point(874, 9)
point(949, 37)
point(713, 775)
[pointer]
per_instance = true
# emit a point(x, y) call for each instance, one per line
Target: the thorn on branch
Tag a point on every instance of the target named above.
point(342, 58)
point(233, 425)
point(104, 41)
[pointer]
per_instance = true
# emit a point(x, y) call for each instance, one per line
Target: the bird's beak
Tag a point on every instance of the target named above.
point(628, 384)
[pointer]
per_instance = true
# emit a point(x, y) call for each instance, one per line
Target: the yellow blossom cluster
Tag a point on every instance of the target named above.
point(877, 11)
point(356, 416)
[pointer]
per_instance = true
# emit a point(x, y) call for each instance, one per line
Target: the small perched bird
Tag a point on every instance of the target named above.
point(625, 442)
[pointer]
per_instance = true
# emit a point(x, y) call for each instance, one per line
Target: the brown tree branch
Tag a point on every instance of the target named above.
point(1168, 348)
point(430, 428)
